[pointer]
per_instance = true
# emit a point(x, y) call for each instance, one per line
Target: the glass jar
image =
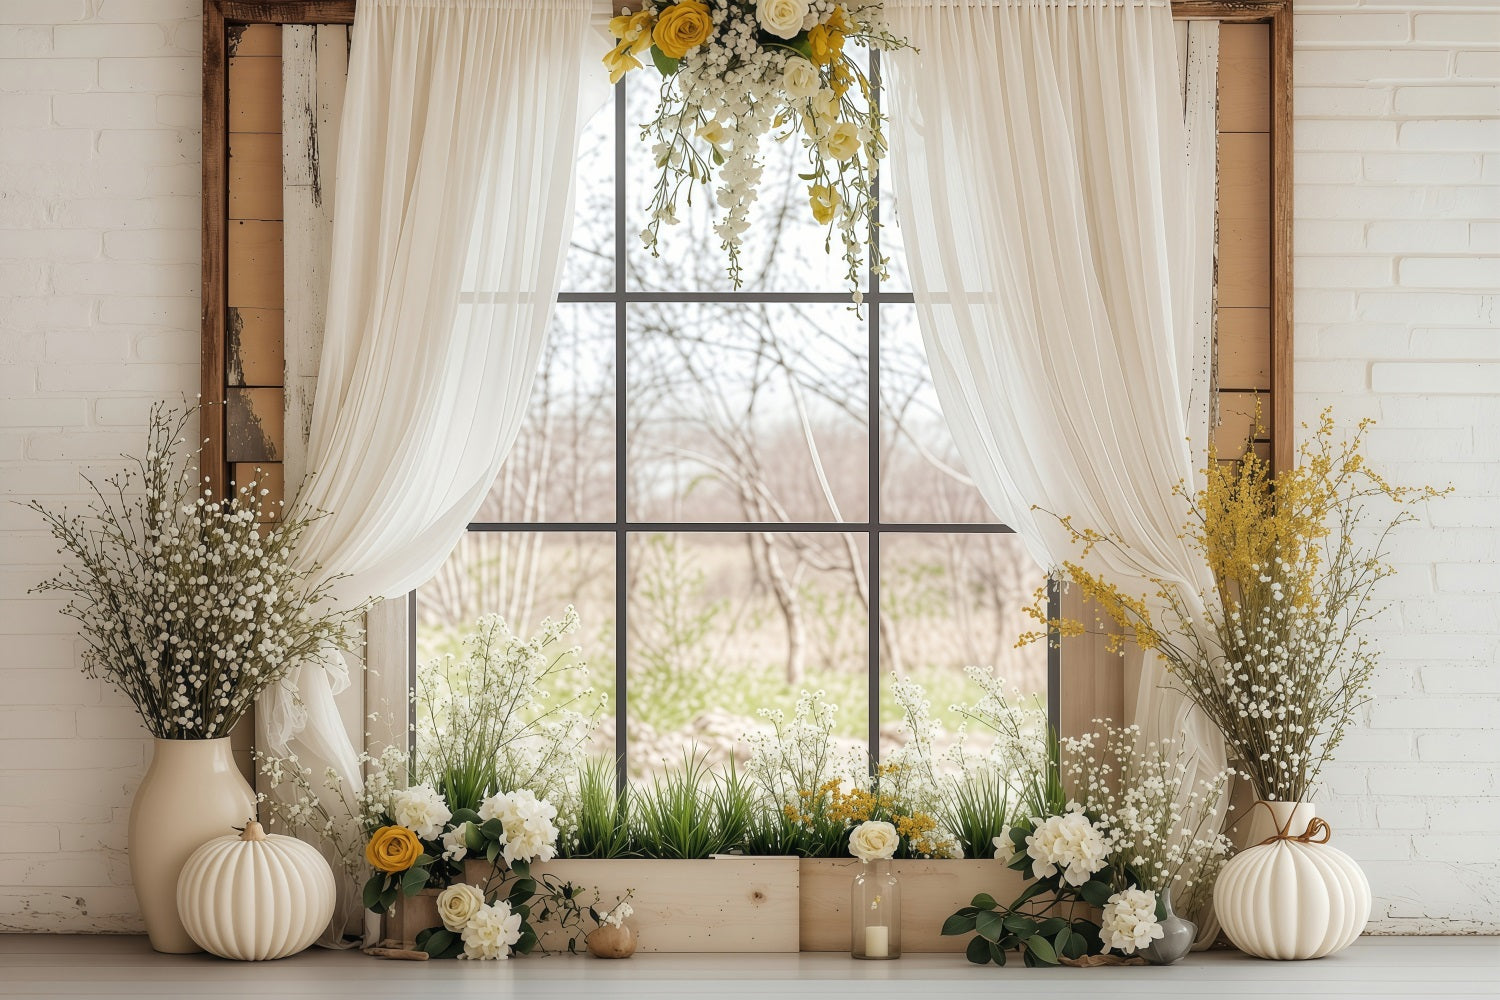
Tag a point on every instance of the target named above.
point(875, 912)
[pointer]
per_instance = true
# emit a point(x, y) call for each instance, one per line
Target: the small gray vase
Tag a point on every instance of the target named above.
point(1177, 936)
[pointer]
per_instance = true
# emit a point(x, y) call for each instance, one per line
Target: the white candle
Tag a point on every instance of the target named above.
point(877, 942)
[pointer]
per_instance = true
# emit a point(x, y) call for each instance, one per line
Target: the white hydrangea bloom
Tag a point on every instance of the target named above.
point(420, 809)
point(1068, 842)
point(491, 932)
point(1129, 921)
point(529, 831)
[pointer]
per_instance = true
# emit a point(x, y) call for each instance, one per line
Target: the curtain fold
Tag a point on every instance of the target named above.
point(452, 213)
point(1054, 234)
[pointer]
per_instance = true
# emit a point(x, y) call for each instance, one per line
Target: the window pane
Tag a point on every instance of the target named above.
point(892, 245)
point(949, 601)
point(525, 576)
point(590, 263)
point(747, 412)
point(722, 625)
point(783, 249)
point(922, 479)
point(562, 466)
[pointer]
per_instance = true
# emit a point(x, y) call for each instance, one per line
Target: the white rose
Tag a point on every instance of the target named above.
point(421, 810)
point(1129, 921)
point(457, 904)
point(491, 931)
point(874, 840)
point(782, 18)
point(800, 78)
point(841, 142)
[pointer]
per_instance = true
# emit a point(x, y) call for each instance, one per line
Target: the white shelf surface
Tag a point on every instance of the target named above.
point(118, 968)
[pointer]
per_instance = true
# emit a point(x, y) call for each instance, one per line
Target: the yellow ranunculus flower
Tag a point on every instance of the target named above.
point(825, 202)
point(683, 26)
point(393, 849)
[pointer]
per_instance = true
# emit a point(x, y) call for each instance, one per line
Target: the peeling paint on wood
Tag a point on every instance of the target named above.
point(253, 347)
point(253, 425)
point(315, 62)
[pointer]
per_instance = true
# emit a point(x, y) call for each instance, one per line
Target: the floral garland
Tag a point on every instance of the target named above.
point(734, 71)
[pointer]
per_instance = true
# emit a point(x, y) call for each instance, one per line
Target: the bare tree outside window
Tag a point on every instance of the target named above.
point(745, 494)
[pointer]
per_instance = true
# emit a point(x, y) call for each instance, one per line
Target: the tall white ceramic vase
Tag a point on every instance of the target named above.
point(192, 793)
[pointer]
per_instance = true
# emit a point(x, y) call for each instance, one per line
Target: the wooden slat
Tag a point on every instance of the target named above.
point(930, 892)
point(1283, 423)
point(255, 94)
point(1228, 10)
point(215, 188)
point(254, 39)
point(253, 431)
point(254, 351)
point(1237, 419)
point(290, 11)
point(255, 175)
point(1245, 78)
point(1244, 219)
point(255, 265)
point(1245, 349)
point(1092, 678)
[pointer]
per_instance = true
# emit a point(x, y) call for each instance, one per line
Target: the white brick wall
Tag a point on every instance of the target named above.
point(1397, 169)
point(1397, 279)
point(99, 210)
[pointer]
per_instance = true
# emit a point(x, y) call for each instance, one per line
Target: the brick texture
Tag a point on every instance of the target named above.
point(1396, 319)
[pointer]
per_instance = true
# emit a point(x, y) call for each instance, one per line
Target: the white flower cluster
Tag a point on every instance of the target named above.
point(616, 916)
point(1162, 818)
point(421, 810)
point(1068, 842)
point(1129, 921)
point(789, 758)
point(191, 606)
point(491, 932)
point(513, 700)
point(530, 834)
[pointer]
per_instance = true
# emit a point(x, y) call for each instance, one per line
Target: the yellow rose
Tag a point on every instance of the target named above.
point(393, 849)
point(825, 202)
point(684, 25)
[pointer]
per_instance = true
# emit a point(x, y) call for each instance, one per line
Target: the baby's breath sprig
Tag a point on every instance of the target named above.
point(190, 604)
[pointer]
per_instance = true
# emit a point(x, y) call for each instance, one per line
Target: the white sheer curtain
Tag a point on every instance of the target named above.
point(453, 209)
point(1054, 239)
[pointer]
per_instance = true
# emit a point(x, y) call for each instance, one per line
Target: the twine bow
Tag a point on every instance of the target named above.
point(1318, 831)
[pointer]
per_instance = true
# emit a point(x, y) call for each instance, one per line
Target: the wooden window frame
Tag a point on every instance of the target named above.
point(1091, 694)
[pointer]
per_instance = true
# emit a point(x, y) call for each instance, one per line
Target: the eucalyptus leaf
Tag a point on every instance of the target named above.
point(1095, 893)
point(984, 901)
point(1042, 949)
point(978, 951)
point(373, 887)
point(665, 64)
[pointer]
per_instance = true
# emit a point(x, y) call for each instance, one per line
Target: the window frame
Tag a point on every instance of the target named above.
point(621, 297)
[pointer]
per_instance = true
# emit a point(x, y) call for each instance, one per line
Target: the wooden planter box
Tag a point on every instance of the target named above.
point(930, 892)
point(726, 904)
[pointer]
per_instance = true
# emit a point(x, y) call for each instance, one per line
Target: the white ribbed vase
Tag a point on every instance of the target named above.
point(255, 897)
point(1292, 900)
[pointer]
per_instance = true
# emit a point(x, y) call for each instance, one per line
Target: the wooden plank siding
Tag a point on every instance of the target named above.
point(253, 434)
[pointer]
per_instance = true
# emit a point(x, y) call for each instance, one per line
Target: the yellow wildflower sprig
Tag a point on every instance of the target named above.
point(1274, 653)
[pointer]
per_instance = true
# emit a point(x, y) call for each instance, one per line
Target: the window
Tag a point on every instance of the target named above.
point(745, 494)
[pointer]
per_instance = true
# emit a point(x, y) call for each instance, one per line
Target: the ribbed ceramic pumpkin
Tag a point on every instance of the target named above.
point(1292, 900)
point(256, 896)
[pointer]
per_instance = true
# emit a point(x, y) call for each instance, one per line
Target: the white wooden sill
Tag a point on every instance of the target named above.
point(125, 967)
